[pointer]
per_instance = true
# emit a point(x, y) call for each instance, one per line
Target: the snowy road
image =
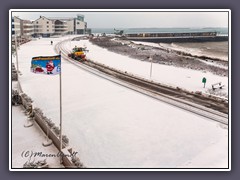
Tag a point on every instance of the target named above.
point(111, 126)
point(171, 96)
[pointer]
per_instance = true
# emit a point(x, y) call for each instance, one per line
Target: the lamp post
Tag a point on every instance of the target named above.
point(150, 58)
point(60, 79)
point(17, 60)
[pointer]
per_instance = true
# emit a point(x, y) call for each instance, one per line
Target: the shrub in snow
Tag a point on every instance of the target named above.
point(76, 161)
point(56, 130)
point(38, 164)
point(50, 123)
point(14, 76)
point(178, 88)
point(38, 111)
point(16, 98)
point(27, 102)
point(29, 110)
point(26, 98)
point(198, 92)
point(14, 73)
point(13, 50)
point(65, 139)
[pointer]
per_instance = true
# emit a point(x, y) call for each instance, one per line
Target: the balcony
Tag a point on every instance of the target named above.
point(28, 33)
point(60, 30)
point(61, 26)
point(28, 28)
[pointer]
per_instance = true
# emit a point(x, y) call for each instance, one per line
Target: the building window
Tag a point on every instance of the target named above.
point(78, 22)
point(36, 22)
point(47, 30)
point(47, 26)
point(47, 22)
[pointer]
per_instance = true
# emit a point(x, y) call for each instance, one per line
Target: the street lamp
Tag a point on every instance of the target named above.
point(16, 50)
point(150, 58)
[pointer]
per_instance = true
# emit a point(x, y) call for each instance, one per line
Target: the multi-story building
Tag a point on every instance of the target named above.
point(80, 25)
point(64, 25)
point(71, 26)
point(46, 27)
point(16, 26)
point(59, 26)
point(77, 25)
point(27, 29)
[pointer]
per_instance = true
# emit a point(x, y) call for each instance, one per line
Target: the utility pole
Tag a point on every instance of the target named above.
point(16, 49)
point(60, 80)
point(150, 58)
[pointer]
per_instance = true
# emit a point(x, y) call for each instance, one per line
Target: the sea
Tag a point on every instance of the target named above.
point(218, 50)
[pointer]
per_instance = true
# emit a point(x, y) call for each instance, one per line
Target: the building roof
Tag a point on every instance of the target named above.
point(61, 18)
point(17, 17)
point(43, 17)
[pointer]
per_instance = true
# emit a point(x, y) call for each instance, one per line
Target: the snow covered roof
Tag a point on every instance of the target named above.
point(43, 17)
point(61, 18)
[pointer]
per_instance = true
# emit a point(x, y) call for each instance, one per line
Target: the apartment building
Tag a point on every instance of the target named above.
point(44, 27)
point(47, 27)
point(16, 26)
point(64, 25)
point(27, 29)
point(80, 25)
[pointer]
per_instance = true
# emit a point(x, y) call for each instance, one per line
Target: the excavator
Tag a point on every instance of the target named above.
point(78, 53)
point(118, 32)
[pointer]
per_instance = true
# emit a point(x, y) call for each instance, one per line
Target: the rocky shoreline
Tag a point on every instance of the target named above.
point(161, 56)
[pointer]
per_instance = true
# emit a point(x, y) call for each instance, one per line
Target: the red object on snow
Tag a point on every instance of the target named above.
point(38, 69)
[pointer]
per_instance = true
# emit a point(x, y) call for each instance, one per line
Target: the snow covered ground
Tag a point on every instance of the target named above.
point(113, 127)
point(189, 48)
point(26, 141)
point(188, 79)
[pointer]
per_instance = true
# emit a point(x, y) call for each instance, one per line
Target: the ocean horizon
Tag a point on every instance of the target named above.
point(219, 30)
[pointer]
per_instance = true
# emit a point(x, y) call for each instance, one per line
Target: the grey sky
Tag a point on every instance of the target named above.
point(140, 19)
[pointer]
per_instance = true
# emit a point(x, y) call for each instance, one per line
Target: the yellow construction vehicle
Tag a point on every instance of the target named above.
point(78, 54)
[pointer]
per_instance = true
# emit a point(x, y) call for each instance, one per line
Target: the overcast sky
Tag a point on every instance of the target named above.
point(139, 19)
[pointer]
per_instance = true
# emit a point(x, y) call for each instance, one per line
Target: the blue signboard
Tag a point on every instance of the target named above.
point(49, 65)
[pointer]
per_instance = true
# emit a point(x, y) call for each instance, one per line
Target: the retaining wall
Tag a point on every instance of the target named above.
point(66, 151)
